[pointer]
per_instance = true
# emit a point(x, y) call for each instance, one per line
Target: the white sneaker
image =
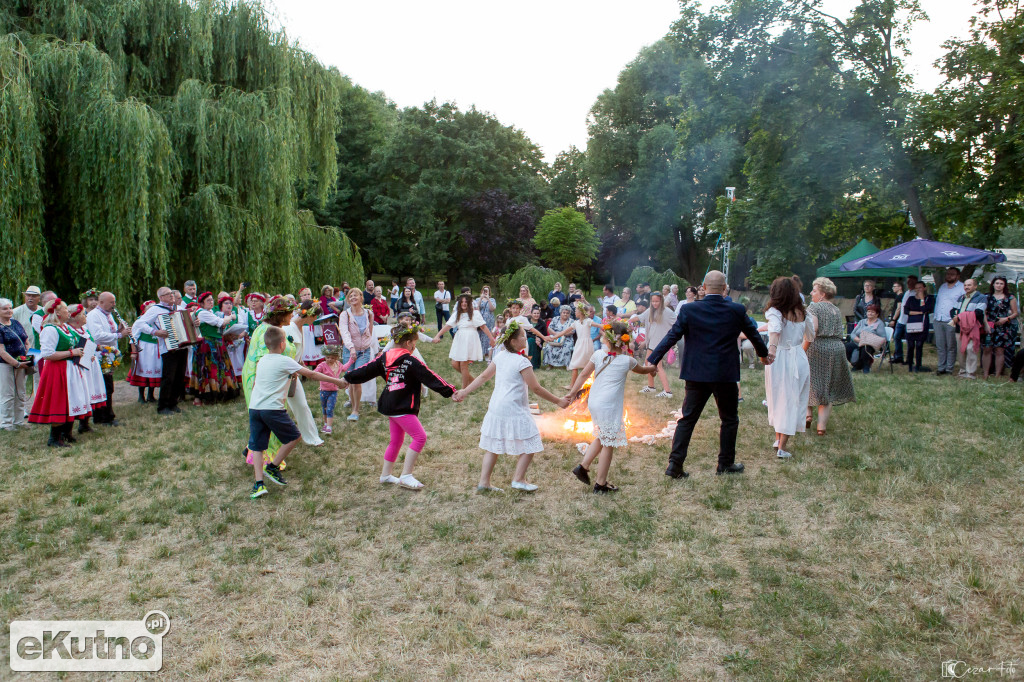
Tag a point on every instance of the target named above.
point(389, 479)
point(491, 489)
point(409, 481)
point(353, 417)
point(524, 487)
point(664, 394)
point(348, 404)
point(784, 455)
point(647, 389)
point(775, 445)
point(582, 447)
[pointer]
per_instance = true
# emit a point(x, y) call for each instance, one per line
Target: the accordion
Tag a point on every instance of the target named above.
point(181, 329)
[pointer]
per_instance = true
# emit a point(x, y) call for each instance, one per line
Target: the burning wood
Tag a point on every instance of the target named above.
point(579, 420)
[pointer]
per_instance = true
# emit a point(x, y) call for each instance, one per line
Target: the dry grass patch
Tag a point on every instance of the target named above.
point(876, 553)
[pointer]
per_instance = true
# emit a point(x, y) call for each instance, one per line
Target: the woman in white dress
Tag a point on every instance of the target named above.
point(91, 371)
point(297, 403)
point(657, 320)
point(610, 366)
point(584, 346)
point(508, 427)
point(787, 380)
point(466, 344)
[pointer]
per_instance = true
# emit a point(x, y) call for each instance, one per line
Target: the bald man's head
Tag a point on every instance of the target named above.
point(714, 282)
point(107, 301)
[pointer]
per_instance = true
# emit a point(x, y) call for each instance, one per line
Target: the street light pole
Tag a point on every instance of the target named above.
point(730, 194)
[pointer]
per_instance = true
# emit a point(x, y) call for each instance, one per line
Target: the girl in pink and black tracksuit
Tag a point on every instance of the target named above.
point(404, 376)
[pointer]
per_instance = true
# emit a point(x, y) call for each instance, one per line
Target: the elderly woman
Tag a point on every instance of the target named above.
point(866, 339)
point(14, 357)
point(864, 299)
point(830, 373)
point(558, 352)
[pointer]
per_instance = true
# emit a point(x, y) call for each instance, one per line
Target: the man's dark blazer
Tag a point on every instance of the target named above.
point(710, 327)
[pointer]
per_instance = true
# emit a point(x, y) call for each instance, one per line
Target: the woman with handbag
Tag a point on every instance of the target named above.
point(866, 339)
point(918, 308)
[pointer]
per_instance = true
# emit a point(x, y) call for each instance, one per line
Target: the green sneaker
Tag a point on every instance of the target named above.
point(271, 471)
point(258, 490)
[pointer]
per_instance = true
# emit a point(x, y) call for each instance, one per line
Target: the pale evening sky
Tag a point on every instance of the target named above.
point(538, 65)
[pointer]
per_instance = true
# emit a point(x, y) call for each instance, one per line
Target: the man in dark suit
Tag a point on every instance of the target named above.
point(710, 366)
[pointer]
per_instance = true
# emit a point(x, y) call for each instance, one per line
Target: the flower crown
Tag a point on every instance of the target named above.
point(399, 332)
point(91, 293)
point(279, 304)
point(510, 330)
point(513, 301)
point(615, 340)
point(312, 311)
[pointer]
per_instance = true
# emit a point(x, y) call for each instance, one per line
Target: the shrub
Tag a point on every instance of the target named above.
point(645, 273)
point(540, 280)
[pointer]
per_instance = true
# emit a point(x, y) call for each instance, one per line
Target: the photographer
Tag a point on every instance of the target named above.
point(14, 363)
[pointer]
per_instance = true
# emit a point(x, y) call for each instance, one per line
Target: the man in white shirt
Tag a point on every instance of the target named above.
point(418, 297)
point(172, 373)
point(442, 306)
point(106, 331)
point(608, 299)
point(946, 299)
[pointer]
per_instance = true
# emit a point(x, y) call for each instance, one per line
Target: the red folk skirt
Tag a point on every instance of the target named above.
point(51, 404)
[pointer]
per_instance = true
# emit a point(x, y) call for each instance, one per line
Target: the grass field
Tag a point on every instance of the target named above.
point(877, 552)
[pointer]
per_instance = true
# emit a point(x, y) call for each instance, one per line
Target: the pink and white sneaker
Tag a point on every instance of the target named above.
point(326, 429)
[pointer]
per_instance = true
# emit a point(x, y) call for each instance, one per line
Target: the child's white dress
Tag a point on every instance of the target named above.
point(584, 347)
point(606, 396)
point(508, 427)
point(466, 344)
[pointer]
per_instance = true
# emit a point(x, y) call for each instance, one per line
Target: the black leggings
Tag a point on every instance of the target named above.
point(915, 349)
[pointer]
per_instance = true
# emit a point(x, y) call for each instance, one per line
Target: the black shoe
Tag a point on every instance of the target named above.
point(112, 422)
point(165, 411)
point(56, 443)
point(676, 473)
point(605, 489)
point(582, 474)
point(176, 410)
point(151, 399)
point(68, 438)
point(736, 468)
point(273, 472)
point(142, 399)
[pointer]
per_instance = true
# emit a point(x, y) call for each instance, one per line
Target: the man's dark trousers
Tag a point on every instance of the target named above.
point(697, 393)
point(172, 378)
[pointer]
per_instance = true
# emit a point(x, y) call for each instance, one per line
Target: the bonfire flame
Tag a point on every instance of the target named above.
point(579, 420)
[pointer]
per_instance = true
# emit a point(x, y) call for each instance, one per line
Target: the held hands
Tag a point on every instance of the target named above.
point(767, 360)
point(342, 384)
point(563, 402)
point(458, 396)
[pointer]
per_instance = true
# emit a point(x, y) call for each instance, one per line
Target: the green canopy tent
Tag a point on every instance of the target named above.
point(863, 248)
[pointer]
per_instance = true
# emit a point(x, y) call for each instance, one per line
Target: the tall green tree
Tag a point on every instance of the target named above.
point(160, 140)
point(437, 160)
point(566, 240)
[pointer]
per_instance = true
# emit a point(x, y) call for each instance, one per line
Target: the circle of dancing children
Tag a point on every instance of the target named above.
point(403, 375)
point(508, 427)
point(610, 365)
point(275, 378)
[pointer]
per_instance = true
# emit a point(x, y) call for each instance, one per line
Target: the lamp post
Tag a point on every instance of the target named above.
point(730, 194)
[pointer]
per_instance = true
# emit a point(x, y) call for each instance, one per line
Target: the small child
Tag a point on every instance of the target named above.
point(499, 326)
point(267, 414)
point(330, 366)
point(508, 426)
point(584, 346)
point(403, 375)
point(613, 364)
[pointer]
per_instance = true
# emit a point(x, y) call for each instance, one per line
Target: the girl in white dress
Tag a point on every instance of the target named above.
point(509, 428)
point(787, 380)
point(610, 366)
point(584, 347)
point(299, 406)
point(466, 347)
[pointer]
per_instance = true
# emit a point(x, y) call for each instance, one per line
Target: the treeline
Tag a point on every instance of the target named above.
point(813, 118)
point(145, 142)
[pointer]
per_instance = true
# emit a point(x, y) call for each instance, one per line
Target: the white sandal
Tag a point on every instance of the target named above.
point(409, 482)
point(389, 479)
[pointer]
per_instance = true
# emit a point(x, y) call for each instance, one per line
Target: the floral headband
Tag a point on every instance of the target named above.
point(399, 332)
point(311, 311)
point(91, 293)
point(616, 340)
point(279, 304)
point(510, 330)
point(223, 299)
point(75, 309)
point(513, 301)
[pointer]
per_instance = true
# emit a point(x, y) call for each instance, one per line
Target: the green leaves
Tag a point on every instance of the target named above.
point(566, 241)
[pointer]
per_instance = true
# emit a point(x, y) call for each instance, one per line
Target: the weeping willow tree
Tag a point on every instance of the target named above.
point(146, 142)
